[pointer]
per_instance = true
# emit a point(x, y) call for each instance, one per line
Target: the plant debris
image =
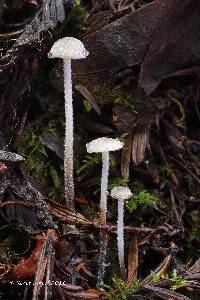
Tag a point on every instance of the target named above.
point(140, 85)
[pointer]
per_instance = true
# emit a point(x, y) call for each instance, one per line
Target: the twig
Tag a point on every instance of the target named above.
point(74, 218)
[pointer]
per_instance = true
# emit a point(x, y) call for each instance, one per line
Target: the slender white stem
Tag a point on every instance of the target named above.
point(103, 211)
point(104, 186)
point(120, 237)
point(68, 147)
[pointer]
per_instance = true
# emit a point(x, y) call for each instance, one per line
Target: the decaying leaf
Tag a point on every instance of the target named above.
point(132, 261)
point(120, 44)
point(88, 96)
point(175, 46)
point(164, 293)
point(27, 267)
point(140, 142)
point(52, 141)
point(126, 156)
point(45, 266)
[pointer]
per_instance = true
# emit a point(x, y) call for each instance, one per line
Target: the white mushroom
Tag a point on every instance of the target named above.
point(68, 48)
point(121, 193)
point(6, 156)
point(104, 145)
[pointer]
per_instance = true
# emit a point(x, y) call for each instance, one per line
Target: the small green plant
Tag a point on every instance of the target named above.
point(96, 88)
point(144, 197)
point(118, 181)
point(112, 183)
point(35, 154)
point(119, 291)
point(164, 171)
point(87, 106)
point(89, 162)
point(176, 280)
point(38, 163)
point(57, 183)
point(120, 99)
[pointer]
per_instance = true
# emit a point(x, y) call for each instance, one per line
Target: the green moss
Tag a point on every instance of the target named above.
point(38, 163)
point(87, 106)
point(164, 171)
point(176, 280)
point(119, 291)
point(126, 102)
point(88, 162)
point(143, 197)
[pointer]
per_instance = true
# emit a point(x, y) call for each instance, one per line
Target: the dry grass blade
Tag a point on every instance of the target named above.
point(126, 156)
point(124, 4)
point(164, 293)
point(40, 273)
point(160, 270)
point(50, 267)
point(45, 266)
point(132, 261)
point(71, 217)
point(140, 142)
point(81, 295)
point(195, 267)
point(89, 96)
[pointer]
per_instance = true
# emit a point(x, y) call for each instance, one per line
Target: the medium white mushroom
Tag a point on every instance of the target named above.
point(68, 48)
point(103, 145)
point(121, 193)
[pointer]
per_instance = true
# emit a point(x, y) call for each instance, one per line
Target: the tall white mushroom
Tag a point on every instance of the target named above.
point(121, 193)
point(103, 145)
point(68, 48)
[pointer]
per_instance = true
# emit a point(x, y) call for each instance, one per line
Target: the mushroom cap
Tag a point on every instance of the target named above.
point(104, 144)
point(121, 193)
point(68, 47)
point(6, 156)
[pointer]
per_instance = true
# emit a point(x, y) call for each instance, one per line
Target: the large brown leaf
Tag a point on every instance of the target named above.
point(162, 37)
point(176, 46)
point(120, 44)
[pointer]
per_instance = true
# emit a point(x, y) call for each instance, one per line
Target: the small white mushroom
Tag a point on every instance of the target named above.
point(68, 48)
point(104, 145)
point(6, 156)
point(121, 193)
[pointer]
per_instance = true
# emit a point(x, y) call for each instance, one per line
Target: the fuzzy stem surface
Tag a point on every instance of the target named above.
point(104, 186)
point(69, 137)
point(103, 211)
point(120, 237)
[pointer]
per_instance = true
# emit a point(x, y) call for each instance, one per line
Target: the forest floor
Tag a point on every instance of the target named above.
point(140, 84)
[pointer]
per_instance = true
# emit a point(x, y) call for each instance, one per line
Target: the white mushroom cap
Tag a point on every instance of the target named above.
point(10, 156)
point(121, 193)
point(104, 144)
point(68, 47)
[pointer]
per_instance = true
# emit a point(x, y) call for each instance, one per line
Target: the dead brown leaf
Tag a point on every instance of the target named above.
point(132, 261)
point(140, 142)
point(175, 46)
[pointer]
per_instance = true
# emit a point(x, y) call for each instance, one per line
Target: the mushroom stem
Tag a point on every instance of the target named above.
point(68, 148)
point(68, 48)
point(104, 186)
point(120, 237)
point(103, 211)
point(103, 145)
